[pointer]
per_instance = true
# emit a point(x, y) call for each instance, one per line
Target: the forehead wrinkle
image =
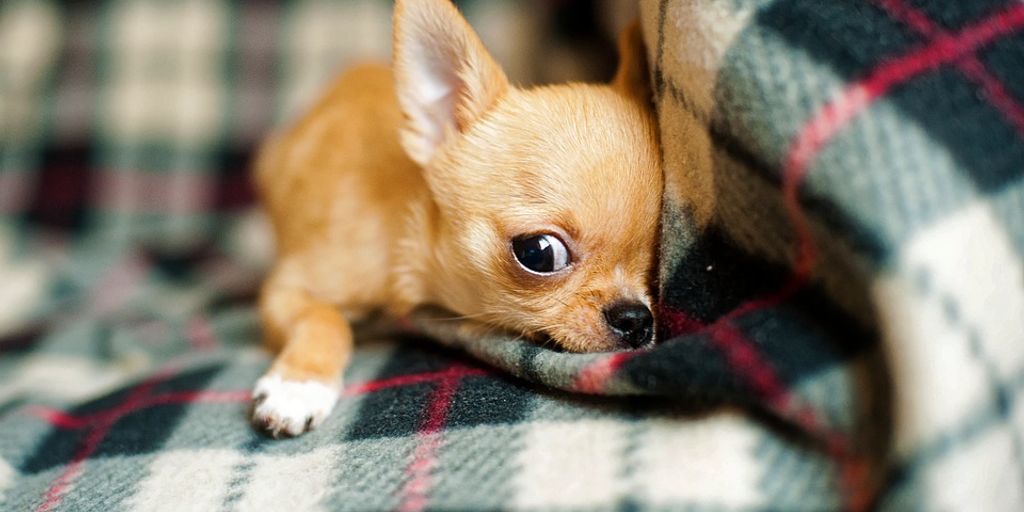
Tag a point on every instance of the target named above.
point(562, 160)
point(594, 213)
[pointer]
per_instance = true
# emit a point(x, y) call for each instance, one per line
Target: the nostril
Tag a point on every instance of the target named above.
point(630, 321)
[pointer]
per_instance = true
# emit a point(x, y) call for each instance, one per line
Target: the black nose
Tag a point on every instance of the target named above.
point(632, 322)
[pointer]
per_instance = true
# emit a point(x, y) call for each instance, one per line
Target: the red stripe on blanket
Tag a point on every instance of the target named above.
point(134, 191)
point(66, 479)
point(745, 360)
point(414, 494)
point(424, 459)
point(834, 116)
point(57, 418)
point(200, 334)
point(829, 120)
point(995, 91)
point(943, 49)
point(970, 65)
point(63, 420)
point(15, 191)
point(118, 285)
point(766, 383)
point(416, 378)
point(678, 322)
point(203, 397)
point(594, 378)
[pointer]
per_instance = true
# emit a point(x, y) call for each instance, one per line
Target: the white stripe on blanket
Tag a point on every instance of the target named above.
point(24, 282)
point(953, 343)
point(68, 378)
point(306, 487)
point(706, 461)
point(7, 476)
point(570, 465)
point(697, 35)
point(971, 256)
point(931, 315)
point(983, 474)
point(186, 480)
point(144, 105)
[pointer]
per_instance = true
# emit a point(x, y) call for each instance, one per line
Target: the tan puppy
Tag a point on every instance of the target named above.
point(532, 210)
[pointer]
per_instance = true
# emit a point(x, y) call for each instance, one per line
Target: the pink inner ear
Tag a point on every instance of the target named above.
point(435, 85)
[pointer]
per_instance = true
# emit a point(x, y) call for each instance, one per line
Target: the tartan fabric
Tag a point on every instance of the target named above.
point(846, 335)
point(867, 162)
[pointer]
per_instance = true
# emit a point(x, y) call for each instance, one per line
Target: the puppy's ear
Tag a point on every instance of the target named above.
point(445, 79)
point(632, 79)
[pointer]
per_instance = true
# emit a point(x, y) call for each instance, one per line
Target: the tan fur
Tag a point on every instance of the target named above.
point(393, 192)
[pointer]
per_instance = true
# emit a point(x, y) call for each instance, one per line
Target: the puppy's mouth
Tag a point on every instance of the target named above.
point(545, 340)
point(582, 345)
point(621, 325)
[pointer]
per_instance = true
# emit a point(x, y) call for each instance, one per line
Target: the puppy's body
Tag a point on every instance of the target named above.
point(442, 184)
point(338, 187)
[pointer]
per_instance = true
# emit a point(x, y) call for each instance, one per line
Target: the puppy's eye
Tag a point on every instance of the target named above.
point(542, 254)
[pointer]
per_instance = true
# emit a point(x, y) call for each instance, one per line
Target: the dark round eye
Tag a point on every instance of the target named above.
point(542, 254)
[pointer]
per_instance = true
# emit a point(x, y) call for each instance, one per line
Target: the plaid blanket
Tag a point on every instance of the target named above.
point(845, 334)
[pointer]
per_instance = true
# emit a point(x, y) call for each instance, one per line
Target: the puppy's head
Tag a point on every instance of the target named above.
point(547, 199)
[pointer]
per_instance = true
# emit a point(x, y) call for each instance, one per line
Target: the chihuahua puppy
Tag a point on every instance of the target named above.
point(440, 183)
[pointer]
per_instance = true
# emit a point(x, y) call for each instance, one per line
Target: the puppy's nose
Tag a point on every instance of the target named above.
point(632, 322)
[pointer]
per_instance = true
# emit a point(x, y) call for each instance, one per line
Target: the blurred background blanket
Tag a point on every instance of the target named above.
point(848, 332)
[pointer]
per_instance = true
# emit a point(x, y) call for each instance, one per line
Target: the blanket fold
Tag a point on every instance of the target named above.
point(841, 279)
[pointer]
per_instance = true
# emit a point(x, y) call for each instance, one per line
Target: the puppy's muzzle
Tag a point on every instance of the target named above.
point(631, 322)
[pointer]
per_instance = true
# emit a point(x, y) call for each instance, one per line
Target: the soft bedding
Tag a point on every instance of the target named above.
point(848, 332)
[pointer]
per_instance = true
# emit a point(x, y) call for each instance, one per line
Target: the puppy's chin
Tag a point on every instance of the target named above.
point(580, 341)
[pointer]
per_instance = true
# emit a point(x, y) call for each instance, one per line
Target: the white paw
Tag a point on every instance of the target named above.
point(288, 407)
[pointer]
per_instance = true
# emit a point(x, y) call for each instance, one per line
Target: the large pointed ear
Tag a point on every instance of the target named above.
point(445, 78)
point(633, 76)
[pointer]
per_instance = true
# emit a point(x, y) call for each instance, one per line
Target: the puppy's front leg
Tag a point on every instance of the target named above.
point(315, 344)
